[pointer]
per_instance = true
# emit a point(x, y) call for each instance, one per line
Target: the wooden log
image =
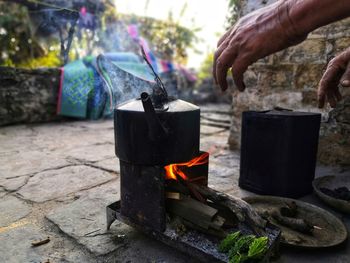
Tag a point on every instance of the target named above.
point(243, 211)
point(28, 95)
point(193, 211)
point(217, 222)
point(173, 195)
point(210, 231)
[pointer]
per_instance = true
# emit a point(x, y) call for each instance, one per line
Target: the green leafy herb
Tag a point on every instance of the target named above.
point(241, 246)
point(238, 258)
point(229, 242)
point(258, 248)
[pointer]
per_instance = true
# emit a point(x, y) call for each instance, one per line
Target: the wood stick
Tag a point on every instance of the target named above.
point(173, 195)
point(193, 211)
point(240, 208)
point(217, 222)
point(219, 233)
point(296, 224)
point(40, 242)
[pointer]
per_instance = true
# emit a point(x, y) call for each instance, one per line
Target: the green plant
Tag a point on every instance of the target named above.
point(241, 248)
point(229, 242)
point(232, 16)
point(205, 71)
point(258, 248)
point(169, 39)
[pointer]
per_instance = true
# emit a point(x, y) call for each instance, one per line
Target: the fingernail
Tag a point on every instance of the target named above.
point(345, 82)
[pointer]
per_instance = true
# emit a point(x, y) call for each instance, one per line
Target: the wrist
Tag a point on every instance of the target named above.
point(291, 29)
point(308, 15)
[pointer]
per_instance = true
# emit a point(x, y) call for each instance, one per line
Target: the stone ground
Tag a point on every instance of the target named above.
point(57, 178)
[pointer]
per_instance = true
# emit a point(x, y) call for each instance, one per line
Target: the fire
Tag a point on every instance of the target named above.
point(172, 171)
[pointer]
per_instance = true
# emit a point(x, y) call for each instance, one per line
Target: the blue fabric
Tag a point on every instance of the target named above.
point(90, 90)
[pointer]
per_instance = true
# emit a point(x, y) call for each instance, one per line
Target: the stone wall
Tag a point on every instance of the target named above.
point(28, 95)
point(289, 79)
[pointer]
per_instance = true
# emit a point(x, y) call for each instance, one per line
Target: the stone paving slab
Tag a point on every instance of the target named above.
point(12, 209)
point(85, 220)
point(2, 192)
point(87, 225)
point(92, 153)
point(16, 245)
point(111, 164)
point(13, 184)
point(52, 184)
point(26, 163)
point(210, 130)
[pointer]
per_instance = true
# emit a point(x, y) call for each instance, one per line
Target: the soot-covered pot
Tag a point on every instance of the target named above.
point(149, 135)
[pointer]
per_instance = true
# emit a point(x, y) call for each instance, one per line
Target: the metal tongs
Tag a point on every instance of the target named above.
point(160, 95)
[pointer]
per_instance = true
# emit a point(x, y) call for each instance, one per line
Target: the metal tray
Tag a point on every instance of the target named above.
point(194, 243)
point(333, 231)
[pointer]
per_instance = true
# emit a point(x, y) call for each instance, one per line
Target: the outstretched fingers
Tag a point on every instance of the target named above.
point(328, 86)
point(240, 66)
point(345, 80)
point(222, 64)
point(217, 54)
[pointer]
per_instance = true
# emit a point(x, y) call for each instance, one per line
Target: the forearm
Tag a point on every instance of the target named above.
point(308, 15)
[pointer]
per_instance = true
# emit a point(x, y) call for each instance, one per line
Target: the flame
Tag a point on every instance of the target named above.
point(172, 171)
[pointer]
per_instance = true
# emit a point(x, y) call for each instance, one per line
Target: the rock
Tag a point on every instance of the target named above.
point(52, 184)
point(87, 220)
point(111, 164)
point(12, 184)
point(223, 178)
point(28, 163)
point(12, 209)
point(87, 225)
point(28, 95)
point(16, 245)
point(92, 153)
point(210, 130)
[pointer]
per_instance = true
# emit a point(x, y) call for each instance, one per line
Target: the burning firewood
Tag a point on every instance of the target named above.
point(180, 182)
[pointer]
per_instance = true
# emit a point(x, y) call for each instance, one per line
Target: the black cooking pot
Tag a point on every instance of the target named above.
point(146, 135)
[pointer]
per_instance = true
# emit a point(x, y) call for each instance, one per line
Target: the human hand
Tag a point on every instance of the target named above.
point(337, 73)
point(256, 35)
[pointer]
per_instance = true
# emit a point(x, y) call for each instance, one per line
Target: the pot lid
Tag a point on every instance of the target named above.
point(174, 106)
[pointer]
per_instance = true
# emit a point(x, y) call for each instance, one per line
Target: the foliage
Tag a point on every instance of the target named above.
point(51, 59)
point(169, 39)
point(232, 16)
point(229, 241)
point(241, 248)
point(205, 70)
point(258, 248)
point(16, 42)
point(20, 47)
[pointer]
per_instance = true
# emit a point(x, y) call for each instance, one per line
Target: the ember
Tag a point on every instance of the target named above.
point(172, 171)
